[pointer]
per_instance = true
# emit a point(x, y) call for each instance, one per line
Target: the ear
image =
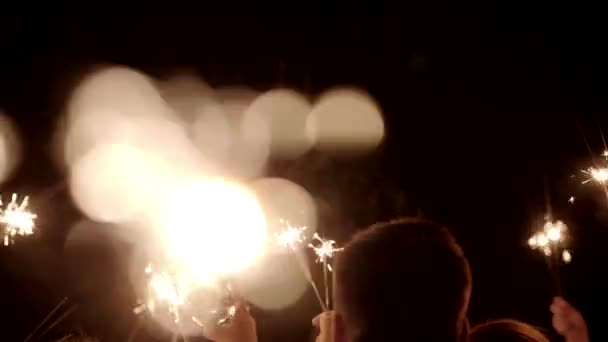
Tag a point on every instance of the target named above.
point(339, 330)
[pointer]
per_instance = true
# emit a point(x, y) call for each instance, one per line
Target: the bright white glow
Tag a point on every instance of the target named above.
point(213, 228)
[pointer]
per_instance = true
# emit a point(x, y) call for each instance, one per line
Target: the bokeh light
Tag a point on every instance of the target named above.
point(186, 93)
point(274, 283)
point(119, 105)
point(10, 148)
point(115, 182)
point(345, 120)
point(280, 113)
point(285, 202)
point(214, 227)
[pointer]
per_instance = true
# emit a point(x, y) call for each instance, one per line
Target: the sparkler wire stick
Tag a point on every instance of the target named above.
point(326, 284)
point(555, 264)
point(64, 338)
point(304, 267)
point(46, 318)
point(58, 320)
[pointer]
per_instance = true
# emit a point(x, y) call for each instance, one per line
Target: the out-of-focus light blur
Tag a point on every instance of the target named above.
point(154, 156)
point(114, 182)
point(282, 114)
point(213, 227)
point(285, 202)
point(186, 94)
point(10, 148)
point(274, 283)
point(345, 120)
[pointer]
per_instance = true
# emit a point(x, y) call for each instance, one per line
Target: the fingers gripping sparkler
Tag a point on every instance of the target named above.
point(16, 219)
point(325, 250)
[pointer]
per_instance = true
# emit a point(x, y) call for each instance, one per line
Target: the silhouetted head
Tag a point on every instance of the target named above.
point(506, 330)
point(402, 280)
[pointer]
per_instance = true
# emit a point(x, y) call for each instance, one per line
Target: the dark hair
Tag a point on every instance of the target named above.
point(403, 279)
point(506, 330)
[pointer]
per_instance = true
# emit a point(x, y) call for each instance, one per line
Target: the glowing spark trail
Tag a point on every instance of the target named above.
point(16, 219)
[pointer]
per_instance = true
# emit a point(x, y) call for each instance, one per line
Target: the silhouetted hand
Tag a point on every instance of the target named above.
point(568, 321)
point(326, 323)
point(240, 329)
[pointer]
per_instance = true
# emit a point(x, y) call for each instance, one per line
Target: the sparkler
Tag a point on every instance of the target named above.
point(16, 219)
point(550, 241)
point(325, 250)
point(598, 174)
point(292, 237)
point(172, 291)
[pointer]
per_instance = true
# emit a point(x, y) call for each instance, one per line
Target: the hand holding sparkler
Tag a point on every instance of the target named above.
point(241, 328)
point(16, 219)
point(568, 321)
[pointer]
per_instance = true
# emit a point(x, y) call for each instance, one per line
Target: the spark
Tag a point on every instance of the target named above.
point(325, 249)
point(291, 237)
point(171, 291)
point(164, 289)
point(599, 175)
point(571, 199)
point(549, 238)
point(16, 219)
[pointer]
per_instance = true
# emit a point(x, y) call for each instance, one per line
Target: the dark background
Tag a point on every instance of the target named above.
point(481, 103)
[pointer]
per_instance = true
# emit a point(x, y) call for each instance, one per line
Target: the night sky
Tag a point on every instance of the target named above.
point(482, 104)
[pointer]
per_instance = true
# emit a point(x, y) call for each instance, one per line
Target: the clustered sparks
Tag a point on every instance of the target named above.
point(550, 239)
point(164, 289)
point(171, 291)
point(16, 219)
point(598, 174)
point(291, 237)
point(324, 249)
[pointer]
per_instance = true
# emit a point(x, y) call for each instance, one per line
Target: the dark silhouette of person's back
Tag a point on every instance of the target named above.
point(404, 280)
